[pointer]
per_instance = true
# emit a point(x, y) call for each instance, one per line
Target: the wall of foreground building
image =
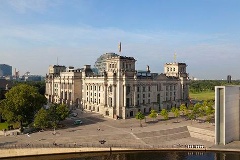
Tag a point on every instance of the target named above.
point(227, 114)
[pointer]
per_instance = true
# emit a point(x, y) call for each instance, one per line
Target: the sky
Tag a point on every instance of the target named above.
point(204, 34)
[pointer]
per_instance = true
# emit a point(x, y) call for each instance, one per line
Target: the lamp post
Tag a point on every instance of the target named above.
point(82, 104)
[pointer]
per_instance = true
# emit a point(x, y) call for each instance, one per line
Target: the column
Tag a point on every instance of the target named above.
point(114, 96)
point(124, 95)
point(134, 95)
point(105, 95)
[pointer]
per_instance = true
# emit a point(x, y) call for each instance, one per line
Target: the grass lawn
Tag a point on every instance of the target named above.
point(3, 125)
point(203, 95)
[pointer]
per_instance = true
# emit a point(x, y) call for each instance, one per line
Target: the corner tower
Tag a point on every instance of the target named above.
point(120, 66)
point(179, 70)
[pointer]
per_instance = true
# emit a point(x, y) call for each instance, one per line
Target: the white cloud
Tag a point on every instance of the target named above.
point(22, 6)
point(34, 47)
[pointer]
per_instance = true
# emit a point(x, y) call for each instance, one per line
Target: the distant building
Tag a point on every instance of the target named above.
point(229, 79)
point(32, 78)
point(5, 70)
point(118, 89)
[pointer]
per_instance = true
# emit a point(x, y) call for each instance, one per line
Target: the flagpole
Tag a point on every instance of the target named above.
point(120, 48)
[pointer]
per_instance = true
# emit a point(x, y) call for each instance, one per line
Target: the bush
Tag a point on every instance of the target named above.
point(16, 125)
point(4, 126)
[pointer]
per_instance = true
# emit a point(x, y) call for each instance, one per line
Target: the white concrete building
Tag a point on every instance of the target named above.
point(118, 89)
point(227, 114)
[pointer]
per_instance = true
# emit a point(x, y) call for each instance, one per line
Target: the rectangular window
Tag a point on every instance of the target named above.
point(99, 88)
point(149, 88)
point(138, 89)
point(149, 95)
point(98, 94)
point(138, 96)
point(128, 88)
point(110, 88)
point(148, 101)
point(143, 95)
point(143, 101)
point(99, 101)
point(143, 89)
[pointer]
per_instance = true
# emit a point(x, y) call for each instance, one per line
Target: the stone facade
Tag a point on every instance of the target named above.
point(119, 90)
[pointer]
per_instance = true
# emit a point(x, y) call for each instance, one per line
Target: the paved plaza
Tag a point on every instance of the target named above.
point(122, 132)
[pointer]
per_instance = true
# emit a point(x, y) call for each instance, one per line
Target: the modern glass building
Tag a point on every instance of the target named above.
point(5, 70)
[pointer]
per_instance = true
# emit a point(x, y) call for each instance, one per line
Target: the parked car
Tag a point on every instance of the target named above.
point(74, 114)
point(77, 122)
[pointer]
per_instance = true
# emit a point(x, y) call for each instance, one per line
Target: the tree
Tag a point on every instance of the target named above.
point(57, 113)
point(153, 114)
point(22, 103)
point(176, 113)
point(190, 107)
point(183, 109)
point(41, 86)
point(164, 113)
point(173, 109)
point(209, 111)
point(191, 116)
point(41, 119)
point(62, 112)
point(197, 112)
point(140, 117)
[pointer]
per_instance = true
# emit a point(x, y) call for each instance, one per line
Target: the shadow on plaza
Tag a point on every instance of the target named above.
point(7, 143)
point(153, 121)
point(87, 120)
